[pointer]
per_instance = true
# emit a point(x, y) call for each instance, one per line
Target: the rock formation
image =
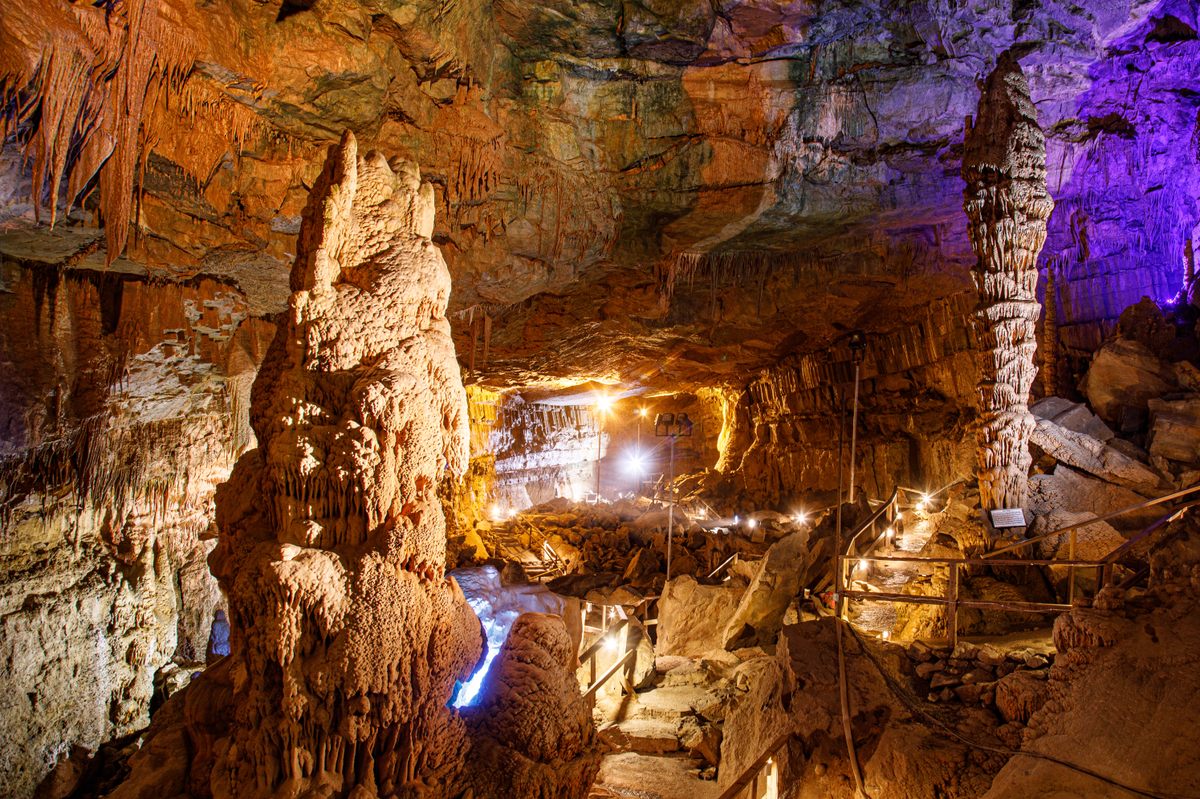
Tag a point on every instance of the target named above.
point(346, 635)
point(532, 732)
point(1004, 166)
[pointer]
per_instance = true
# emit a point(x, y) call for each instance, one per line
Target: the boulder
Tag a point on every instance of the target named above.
point(760, 613)
point(1094, 456)
point(1092, 542)
point(1175, 429)
point(1069, 490)
point(1074, 416)
point(1123, 377)
point(692, 617)
point(642, 567)
point(1020, 694)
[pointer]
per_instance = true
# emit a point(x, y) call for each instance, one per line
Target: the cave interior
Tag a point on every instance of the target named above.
point(572, 399)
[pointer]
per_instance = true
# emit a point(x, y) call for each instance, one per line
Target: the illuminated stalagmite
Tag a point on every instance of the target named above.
point(1004, 166)
point(347, 636)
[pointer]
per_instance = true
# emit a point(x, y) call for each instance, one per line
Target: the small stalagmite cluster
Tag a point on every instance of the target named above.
point(1004, 166)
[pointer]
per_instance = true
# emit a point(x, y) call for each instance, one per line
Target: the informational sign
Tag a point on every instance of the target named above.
point(1008, 517)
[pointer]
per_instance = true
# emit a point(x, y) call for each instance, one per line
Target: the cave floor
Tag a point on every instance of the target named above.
point(646, 759)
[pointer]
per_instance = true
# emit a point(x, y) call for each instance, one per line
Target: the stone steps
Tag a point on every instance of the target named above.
point(631, 775)
point(647, 759)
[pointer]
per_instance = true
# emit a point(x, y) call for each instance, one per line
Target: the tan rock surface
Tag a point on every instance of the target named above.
point(692, 617)
point(347, 636)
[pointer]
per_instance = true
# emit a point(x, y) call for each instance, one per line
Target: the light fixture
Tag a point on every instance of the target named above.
point(497, 513)
point(891, 534)
point(752, 523)
point(862, 563)
point(801, 517)
point(887, 634)
point(642, 412)
point(604, 403)
point(635, 463)
point(611, 643)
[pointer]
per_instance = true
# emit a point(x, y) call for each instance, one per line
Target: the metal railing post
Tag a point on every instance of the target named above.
point(952, 620)
point(1071, 571)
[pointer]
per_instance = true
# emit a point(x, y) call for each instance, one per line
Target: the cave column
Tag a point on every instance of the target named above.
point(1007, 204)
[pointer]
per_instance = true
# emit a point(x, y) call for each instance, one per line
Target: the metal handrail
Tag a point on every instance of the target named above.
point(718, 570)
point(872, 519)
point(1102, 518)
point(951, 598)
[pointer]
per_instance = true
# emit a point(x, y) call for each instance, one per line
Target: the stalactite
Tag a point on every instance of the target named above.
point(1004, 167)
point(84, 97)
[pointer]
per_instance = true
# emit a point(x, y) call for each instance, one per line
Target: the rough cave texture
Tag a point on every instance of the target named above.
point(532, 733)
point(123, 405)
point(1004, 166)
point(347, 637)
point(677, 201)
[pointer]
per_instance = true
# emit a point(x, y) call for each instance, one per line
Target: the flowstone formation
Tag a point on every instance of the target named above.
point(533, 733)
point(346, 635)
point(1004, 166)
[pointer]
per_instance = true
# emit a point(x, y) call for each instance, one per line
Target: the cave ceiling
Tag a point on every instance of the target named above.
point(664, 194)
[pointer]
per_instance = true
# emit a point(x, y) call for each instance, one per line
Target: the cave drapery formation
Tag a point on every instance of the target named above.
point(333, 336)
point(1004, 167)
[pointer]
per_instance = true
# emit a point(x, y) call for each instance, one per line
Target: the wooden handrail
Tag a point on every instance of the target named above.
point(613, 669)
point(591, 651)
point(748, 774)
point(985, 604)
point(1161, 522)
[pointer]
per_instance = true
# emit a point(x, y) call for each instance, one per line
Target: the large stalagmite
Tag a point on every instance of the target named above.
point(347, 636)
point(1004, 166)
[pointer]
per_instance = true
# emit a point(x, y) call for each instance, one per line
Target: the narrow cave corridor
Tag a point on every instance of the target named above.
point(599, 399)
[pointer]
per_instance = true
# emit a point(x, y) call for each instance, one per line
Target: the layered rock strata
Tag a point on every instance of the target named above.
point(123, 404)
point(1004, 166)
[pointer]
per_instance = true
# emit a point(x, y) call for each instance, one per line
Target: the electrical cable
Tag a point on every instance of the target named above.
point(912, 705)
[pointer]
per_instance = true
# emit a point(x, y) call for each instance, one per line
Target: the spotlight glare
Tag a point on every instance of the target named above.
point(604, 403)
point(862, 563)
point(801, 517)
point(752, 523)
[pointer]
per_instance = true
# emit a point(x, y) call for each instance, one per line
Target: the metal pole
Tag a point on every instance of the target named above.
point(854, 433)
point(599, 438)
point(671, 510)
point(837, 547)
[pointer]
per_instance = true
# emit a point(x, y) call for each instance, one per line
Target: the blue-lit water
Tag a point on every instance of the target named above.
point(496, 627)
